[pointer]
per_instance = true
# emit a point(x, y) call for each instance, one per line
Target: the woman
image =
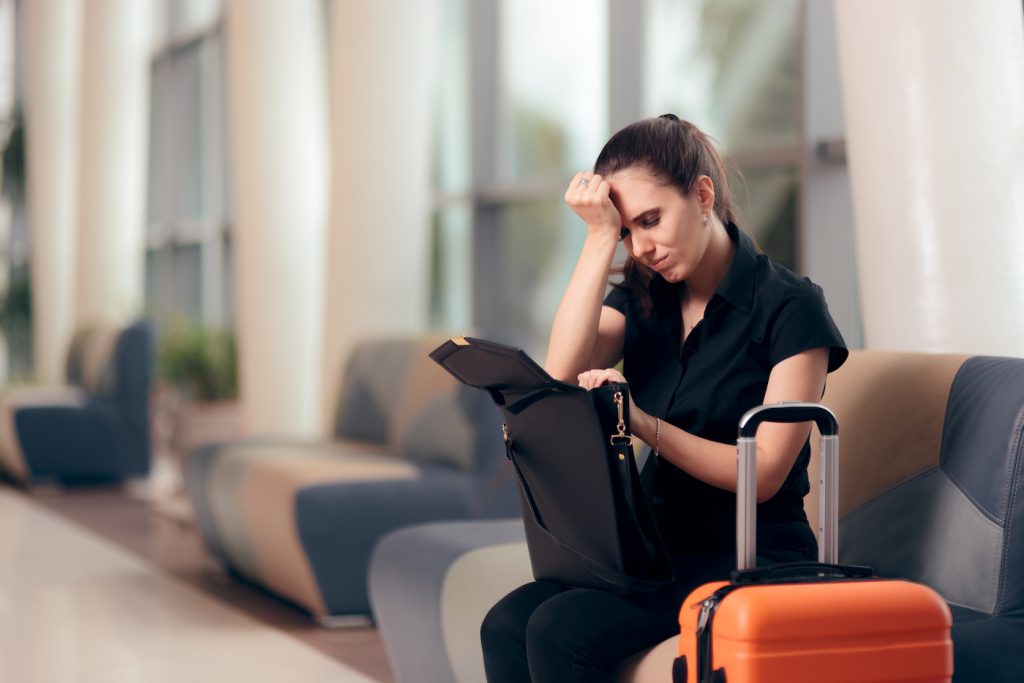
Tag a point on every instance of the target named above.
point(707, 328)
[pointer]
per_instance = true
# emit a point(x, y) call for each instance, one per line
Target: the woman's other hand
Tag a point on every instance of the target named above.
point(589, 196)
point(641, 424)
point(591, 379)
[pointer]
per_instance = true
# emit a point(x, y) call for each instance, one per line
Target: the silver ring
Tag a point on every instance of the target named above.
point(584, 182)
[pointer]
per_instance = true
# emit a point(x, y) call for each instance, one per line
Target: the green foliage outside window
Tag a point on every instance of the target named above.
point(12, 168)
point(201, 362)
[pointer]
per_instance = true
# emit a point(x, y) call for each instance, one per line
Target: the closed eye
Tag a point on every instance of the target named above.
point(648, 219)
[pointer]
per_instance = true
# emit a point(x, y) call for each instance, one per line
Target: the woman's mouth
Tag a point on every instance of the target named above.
point(658, 263)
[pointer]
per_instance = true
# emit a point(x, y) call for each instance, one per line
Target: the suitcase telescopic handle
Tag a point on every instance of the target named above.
point(746, 477)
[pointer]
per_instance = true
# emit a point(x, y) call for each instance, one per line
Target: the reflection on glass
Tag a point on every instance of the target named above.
point(450, 271)
point(189, 15)
point(451, 138)
point(174, 283)
point(766, 201)
point(540, 243)
point(730, 66)
point(186, 135)
point(553, 68)
point(188, 202)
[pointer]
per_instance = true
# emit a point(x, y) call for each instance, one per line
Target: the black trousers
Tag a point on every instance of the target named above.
point(545, 633)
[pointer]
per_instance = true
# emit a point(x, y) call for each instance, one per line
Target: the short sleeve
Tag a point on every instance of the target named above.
point(617, 298)
point(802, 322)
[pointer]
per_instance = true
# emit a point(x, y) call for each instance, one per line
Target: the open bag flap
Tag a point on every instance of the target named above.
point(506, 372)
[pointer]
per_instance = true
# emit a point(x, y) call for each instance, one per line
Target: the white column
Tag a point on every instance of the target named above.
point(827, 233)
point(383, 58)
point(114, 126)
point(278, 105)
point(934, 103)
point(52, 37)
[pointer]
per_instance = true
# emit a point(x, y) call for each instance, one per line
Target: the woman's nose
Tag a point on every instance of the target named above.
point(641, 246)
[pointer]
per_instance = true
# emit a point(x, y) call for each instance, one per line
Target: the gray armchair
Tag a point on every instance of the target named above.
point(94, 428)
point(300, 518)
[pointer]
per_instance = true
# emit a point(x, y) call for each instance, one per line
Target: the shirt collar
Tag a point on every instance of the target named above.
point(737, 287)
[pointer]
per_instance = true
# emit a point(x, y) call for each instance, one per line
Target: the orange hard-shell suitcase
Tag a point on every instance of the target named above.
point(816, 622)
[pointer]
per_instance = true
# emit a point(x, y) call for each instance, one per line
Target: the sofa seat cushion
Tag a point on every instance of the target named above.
point(12, 457)
point(986, 647)
point(283, 448)
point(447, 575)
point(218, 467)
point(301, 518)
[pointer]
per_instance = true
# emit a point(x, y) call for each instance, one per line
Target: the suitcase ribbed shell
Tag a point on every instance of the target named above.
point(873, 630)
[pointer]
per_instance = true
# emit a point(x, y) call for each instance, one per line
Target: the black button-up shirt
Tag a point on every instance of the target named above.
point(760, 314)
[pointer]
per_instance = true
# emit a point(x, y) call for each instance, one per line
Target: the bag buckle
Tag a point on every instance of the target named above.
point(622, 436)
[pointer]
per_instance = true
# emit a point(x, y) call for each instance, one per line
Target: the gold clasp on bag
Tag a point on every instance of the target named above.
point(622, 435)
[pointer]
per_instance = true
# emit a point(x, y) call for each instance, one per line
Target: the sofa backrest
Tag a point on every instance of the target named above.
point(112, 361)
point(90, 362)
point(930, 473)
point(394, 395)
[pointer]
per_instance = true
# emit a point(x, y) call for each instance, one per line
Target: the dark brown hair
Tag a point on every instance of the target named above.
point(673, 152)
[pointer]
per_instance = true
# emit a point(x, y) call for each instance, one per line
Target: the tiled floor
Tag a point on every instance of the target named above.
point(95, 586)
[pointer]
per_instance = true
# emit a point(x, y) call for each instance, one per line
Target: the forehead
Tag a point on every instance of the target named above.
point(635, 192)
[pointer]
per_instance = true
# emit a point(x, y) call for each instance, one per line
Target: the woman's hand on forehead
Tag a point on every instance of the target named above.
point(589, 196)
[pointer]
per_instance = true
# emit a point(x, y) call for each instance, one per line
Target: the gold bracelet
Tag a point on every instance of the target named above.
point(657, 435)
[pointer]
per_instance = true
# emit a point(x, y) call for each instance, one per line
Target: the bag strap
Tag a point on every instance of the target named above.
point(598, 568)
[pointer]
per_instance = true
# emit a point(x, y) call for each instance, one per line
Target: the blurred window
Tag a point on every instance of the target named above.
point(450, 258)
point(553, 76)
point(188, 208)
point(541, 68)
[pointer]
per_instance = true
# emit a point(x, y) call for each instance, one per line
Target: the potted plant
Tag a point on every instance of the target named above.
point(15, 301)
point(12, 167)
point(16, 327)
point(200, 366)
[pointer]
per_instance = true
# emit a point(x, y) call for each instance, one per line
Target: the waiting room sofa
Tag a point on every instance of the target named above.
point(95, 427)
point(410, 445)
point(931, 488)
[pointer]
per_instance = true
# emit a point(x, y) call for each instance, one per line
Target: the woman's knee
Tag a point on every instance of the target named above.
point(506, 620)
point(584, 635)
point(502, 623)
point(559, 628)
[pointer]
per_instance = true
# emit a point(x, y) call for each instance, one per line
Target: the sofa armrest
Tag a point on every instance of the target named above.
point(69, 442)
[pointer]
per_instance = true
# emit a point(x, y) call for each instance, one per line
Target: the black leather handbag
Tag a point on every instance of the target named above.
point(588, 519)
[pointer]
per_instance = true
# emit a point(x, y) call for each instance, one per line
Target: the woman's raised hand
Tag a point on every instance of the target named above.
point(589, 196)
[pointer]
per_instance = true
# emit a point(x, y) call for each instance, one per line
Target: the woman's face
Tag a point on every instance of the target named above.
point(665, 230)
